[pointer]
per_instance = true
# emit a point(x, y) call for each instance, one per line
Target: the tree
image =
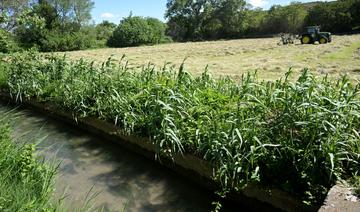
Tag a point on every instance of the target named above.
point(185, 18)
point(135, 31)
point(355, 14)
point(77, 11)
point(253, 22)
point(231, 14)
point(104, 30)
point(46, 11)
point(157, 30)
point(82, 11)
point(30, 29)
point(296, 15)
point(332, 16)
point(11, 9)
point(205, 19)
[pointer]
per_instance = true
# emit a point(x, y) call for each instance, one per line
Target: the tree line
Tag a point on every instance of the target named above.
point(226, 19)
point(65, 25)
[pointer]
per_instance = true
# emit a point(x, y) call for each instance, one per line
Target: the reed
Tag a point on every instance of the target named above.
point(301, 136)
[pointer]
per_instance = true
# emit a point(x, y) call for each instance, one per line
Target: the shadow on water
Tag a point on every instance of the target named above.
point(122, 178)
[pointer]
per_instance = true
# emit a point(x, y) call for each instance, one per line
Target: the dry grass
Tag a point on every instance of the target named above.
point(235, 57)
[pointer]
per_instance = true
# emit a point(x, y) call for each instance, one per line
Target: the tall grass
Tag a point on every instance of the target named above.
point(3, 76)
point(301, 136)
point(27, 180)
point(26, 183)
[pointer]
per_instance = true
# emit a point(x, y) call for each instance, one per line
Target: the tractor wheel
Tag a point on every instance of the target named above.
point(323, 40)
point(305, 39)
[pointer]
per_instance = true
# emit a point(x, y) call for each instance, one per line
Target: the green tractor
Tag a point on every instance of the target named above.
point(313, 34)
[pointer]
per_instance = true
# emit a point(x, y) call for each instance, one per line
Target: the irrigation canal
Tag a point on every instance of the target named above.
point(90, 164)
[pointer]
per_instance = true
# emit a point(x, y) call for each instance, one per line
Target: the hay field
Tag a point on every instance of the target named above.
point(235, 57)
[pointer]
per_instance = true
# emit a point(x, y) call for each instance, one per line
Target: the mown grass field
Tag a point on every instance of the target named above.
point(235, 57)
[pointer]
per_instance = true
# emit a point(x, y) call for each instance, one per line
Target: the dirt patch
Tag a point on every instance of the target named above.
point(341, 198)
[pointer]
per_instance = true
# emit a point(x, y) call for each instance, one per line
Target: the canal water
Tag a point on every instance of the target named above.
point(91, 164)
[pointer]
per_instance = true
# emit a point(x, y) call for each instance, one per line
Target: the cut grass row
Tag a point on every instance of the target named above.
point(298, 136)
point(236, 57)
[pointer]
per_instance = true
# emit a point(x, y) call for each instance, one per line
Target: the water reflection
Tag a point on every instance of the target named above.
point(122, 178)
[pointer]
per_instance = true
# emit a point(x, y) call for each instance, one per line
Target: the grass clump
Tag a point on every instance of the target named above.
point(26, 182)
point(356, 184)
point(300, 136)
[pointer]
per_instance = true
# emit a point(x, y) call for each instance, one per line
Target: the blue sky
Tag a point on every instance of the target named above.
point(115, 10)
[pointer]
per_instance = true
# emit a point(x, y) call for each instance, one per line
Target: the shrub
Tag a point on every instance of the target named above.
point(104, 31)
point(55, 41)
point(3, 76)
point(135, 31)
point(7, 43)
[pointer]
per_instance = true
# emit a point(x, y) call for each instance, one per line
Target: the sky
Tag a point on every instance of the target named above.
point(115, 10)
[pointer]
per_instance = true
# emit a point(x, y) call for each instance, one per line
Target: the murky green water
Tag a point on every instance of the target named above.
point(122, 178)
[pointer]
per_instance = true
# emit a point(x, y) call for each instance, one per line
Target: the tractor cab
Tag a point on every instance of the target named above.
point(313, 34)
point(312, 29)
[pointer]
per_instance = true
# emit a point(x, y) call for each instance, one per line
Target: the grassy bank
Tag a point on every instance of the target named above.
point(26, 182)
point(298, 136)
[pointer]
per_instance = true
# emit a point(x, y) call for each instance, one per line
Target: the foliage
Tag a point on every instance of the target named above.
point(54, 41)
point(103, 32)
point(356, 183)
point(46, 11)
point(30, 29)
point(203, 19)
point(26, 182)
point(301, 136)
point(11, 10)
point(3, 76)
point(335, 17)
point(218, 19)
point(7, 43)
point(135, 31)
point(285, 19)
point(71, 11)
point(54, 25)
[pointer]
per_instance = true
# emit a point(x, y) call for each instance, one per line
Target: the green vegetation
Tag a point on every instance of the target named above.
point(356, 183)
point(49, 25)
point(300, 136)
point(345, 53)
point(64, 25)
point(226, 19)
point(3, 76)
point(135, 31)
point(7, 43)
point(104, 31)
point(26, 181)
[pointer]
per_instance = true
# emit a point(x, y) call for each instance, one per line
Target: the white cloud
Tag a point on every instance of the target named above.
point(258, 3)
point(108, 15)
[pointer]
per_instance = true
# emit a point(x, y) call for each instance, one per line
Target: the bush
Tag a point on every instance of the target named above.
point(136, 31)
point(7, 43)
point(103, 32)
point(55, 41)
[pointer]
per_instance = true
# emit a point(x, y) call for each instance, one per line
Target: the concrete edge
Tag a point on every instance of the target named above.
point(189, 166)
